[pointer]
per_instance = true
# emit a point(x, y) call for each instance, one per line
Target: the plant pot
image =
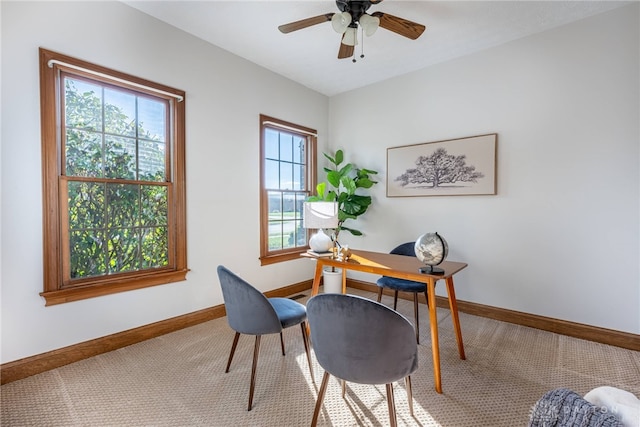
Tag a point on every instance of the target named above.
point(332, 280)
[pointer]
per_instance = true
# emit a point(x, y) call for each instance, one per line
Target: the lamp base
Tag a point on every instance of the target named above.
point(320, 242)
point(430, 269)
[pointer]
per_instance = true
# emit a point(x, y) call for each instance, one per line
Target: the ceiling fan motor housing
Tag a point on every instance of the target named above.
point(356, 8)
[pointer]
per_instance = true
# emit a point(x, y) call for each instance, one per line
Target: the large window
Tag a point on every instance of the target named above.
point(113, 180)
point(287, 178)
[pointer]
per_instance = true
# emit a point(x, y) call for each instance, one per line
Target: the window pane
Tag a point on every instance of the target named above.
point(83, 153)
point(83, 105)
point(271, 144)
point(286, 176)
point(155, 247)
point(274, 205)
point(298, 150)
point(87, 208)
point(151, 161)
point(122, 205)
point(120, 157)
point(300, 199)
point(119, 112)
point(152, 119)
point(298, 177)
point(87, 257)
point(286, 147)
point(153, 203)
point(275, 235)
point(272, 174)
point(124, 250)
point(289, 234)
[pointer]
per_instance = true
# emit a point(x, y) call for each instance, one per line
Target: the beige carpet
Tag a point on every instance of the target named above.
point(179, 380)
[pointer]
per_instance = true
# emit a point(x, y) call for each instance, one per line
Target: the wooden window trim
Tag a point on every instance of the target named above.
point(54, 291)
point(271, 257)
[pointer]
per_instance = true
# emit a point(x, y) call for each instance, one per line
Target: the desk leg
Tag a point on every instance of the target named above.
point(453, 306)
point(344, 280)
point(316, 278)
point(433, 320)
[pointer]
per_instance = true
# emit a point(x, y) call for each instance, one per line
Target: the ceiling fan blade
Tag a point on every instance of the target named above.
point(345, 51)
point(304, 23)
point(401, 26)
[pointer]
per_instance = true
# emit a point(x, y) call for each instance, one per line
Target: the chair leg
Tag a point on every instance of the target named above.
point(393, 422)
point(395, 300)
point(305, 340)
point(415, 313)
point(323, 389)
point(380, 289)
point(256, 351)
point(282, 343)
point(407, 382)
point(233, 350)
point(344, 387)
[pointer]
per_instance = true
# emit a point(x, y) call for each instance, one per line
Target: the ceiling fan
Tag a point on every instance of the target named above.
point(353, 14)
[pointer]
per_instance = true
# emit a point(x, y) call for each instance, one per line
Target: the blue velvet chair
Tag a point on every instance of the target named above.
point(250, 312)
point(359, 340)
point(404, 285)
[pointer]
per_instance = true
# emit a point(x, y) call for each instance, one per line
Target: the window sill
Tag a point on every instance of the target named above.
point(91, 291)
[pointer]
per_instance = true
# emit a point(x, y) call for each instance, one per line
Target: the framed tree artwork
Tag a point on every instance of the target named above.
point(462, 166)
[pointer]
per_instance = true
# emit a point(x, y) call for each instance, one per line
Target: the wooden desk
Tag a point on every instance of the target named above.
point(403, 267)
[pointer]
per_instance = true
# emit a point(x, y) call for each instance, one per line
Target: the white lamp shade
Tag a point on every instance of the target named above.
point(350, 37)
point(320, 215)
point(369, 24)
point(340, 22)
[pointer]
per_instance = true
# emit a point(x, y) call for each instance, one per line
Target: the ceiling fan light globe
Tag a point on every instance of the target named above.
point(340, 22)
point(369, 24)
point(350, 37)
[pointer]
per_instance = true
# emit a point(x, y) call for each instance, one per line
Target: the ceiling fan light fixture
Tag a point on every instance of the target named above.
point(350, 37)
point(340, 22)
point(369, 24)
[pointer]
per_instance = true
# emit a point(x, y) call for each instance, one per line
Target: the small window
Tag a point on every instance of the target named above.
point(113, 179)
point(287, 178)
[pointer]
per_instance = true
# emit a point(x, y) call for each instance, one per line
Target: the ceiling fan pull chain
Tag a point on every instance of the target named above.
point(362, 45)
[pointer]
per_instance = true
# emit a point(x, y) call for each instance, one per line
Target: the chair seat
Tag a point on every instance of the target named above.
point(401, 284)
point(289, 311)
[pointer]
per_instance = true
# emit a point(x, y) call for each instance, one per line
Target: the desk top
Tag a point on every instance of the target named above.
point(401, 266)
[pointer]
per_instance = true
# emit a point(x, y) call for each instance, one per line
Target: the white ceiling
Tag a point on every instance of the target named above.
point(249, 29)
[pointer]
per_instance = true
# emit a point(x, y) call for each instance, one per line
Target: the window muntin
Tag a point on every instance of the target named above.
point(113, 179)
point(287, 177)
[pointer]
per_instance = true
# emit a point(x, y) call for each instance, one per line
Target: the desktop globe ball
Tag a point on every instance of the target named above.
point(431, 249)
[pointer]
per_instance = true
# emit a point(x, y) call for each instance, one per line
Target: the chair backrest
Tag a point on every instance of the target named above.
point(361, 341)
point(248, 310)
point(408, 249)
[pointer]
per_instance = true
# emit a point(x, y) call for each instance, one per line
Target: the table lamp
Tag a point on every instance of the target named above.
point(320, 215)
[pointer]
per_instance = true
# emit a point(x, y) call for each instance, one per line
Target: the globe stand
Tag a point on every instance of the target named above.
point(430, 269)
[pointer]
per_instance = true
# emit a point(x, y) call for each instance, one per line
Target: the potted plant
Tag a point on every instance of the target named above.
point(341, 186)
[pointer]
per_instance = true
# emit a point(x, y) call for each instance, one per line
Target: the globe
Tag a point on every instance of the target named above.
point(431, 249)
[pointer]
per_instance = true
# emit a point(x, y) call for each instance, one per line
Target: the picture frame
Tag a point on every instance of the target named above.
point(452, 167)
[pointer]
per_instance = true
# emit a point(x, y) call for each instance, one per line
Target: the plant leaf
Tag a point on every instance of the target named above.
point(339, 157)
point(320, 189)
point(364, 183)
point(353, 231)
point(334, 178)
point(331, 159)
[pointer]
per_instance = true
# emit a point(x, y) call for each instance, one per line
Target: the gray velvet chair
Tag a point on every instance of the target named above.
point(361, 341)
point(404, 285)
point(250, 312)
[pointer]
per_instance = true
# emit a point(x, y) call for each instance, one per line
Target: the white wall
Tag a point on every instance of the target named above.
point(561, 238)
point(225, 95)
